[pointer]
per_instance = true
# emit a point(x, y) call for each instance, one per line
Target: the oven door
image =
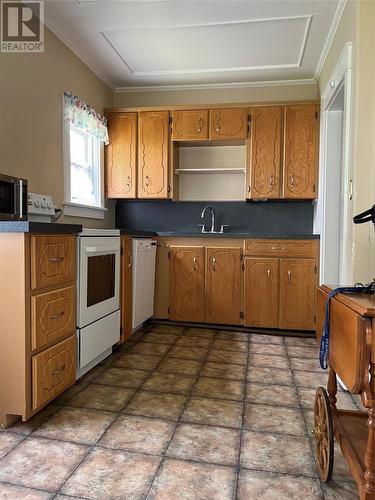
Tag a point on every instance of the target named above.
point(98, 278)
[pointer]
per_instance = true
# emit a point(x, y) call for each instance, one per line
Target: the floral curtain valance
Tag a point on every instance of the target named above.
point(82, 116)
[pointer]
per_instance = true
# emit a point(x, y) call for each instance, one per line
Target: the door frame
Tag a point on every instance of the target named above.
point(339, 78)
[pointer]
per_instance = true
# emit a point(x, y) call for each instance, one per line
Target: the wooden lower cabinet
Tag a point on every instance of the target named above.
point(186, 278)
point(223, 285)
point(53, 370)
point(261, 292)
point(297, 294)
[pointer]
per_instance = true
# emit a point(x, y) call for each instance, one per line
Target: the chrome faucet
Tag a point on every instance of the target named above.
point(212, 230)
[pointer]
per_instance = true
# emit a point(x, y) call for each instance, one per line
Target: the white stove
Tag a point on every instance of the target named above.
point(98, 296)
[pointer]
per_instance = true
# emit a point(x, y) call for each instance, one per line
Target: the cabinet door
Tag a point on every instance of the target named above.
point(265, 155)
point(297, 294)
point(121, 155)
point(261, 296)
point(228, 123)
point(126, 287)
point(301, 155)
point(186, 280)
point(190, 125)
point(153, 154)
point(223, 286)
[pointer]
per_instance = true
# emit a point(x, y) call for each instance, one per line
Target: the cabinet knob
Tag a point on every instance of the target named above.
point(213, 263)
point(200, 125)
point(289, 276)
point(194, 263)
point(269, 274)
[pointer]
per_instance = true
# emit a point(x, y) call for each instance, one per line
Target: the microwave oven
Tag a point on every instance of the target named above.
point(13, 198)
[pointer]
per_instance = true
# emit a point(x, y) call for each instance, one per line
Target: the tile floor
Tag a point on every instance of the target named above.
point(180, 413)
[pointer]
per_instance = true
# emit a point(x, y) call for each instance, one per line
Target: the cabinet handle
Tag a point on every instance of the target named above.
point(194, 262)
point(58, 315)
point(147, 178)
point(289, 277)
point(272, 181)
point(130, 259)
point(200, 125)
point(269, 275)
point(292, 180)
point(350, 189)
point(217, 123)
point(56, 259)
point(213, 264)
point(59, 370)
point(128, 181)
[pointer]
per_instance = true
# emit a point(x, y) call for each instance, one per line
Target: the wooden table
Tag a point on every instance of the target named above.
point(352, 359)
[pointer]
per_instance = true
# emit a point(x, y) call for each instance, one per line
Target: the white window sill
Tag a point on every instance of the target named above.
point(78, 210)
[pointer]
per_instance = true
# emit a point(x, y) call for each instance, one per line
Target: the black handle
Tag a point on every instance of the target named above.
point(367, 216)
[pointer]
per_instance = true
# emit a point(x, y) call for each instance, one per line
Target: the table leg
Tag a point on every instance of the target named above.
point(332, 389)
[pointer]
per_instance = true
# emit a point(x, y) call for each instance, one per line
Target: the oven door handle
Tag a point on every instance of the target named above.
point(102, 250)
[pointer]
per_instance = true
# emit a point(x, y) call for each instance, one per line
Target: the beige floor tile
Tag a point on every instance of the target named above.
point(270, 375)
point(230, 345)
point(10, 492)
point(150, 348)
point(234, 357)
point(41, 463)
point(280, 362)
point(301, 341)
point(178, 480)
point(310, 379)
point(205, 444)
point(183, 352)
point(279, 395)
point(268, 486)
point(189, 341)
point(340, 490)
point(266, 339)
point(213, 412)
point(159, 338)
point(224, 370)
point(207, 333)
point(169, 382)
point(274, 419)
point(184, 366)
point(8, 441)
point(229, 335)
point(138, 361)
point(138, 434)
point(305, 364)
point(309, 420)
point(103, 397)
point(219, 388)
point(270, 349)
point(78, 425)
point(110, 474)
point(307, 398)
point(169, 329)
point(122, 377)
point(277, 453)
point(155, 404)
point(303, 352)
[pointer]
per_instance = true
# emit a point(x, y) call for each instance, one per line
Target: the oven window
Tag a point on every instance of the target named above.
point(6, 197)
point(100, 278)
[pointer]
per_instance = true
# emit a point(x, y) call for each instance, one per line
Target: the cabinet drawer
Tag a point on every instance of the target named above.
point(53, 260)
point(53, 370)
point(52, 316)
point(289, 248)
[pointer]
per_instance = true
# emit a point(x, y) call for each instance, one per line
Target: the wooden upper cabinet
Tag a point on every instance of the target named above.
point(223, 286)
point(190, 125)
point(301, 151)
point(229, 123)
point(265, 152)
point(121, 155)
point(153, 154)
point(186, 283)
point(297, 294)
point(261, 296)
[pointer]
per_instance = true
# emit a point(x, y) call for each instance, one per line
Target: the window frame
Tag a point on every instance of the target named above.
point(72, 208)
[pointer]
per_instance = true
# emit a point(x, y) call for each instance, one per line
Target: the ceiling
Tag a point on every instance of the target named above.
point(141, 43)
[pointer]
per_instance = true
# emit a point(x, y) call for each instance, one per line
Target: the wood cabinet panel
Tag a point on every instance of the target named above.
point(121, 155)
point(265, 152)
point(229, 123)
point(280, 248)
point(53, 371)
point(297, 294)
point(126, 286)
point(301, 153)
point(153, 154)
point(223, 285)
point(53, 260)
point(261, 295)
point(186, 283)
point(190, 125)
point(53, 316)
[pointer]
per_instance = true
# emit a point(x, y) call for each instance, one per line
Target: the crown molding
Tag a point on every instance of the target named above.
point(55, 30)
point(331, 35)
point(215, 86)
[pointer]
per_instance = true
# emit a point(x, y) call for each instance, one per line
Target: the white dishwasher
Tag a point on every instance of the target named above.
point(144, 258)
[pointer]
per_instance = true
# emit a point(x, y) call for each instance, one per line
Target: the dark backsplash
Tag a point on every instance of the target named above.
point(278, 218)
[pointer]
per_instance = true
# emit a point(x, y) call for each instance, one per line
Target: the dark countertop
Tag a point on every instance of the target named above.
point(190, 234)
point(39, 227)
